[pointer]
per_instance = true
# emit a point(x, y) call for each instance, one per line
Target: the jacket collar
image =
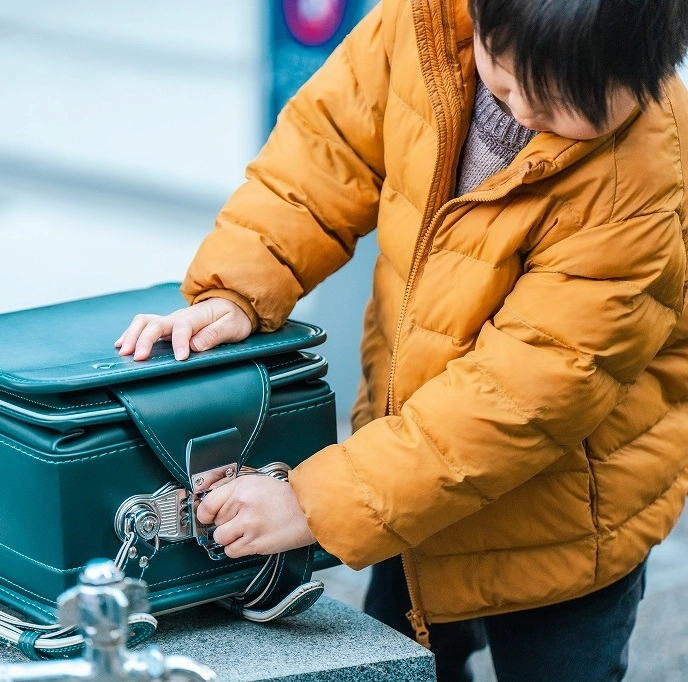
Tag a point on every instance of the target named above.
point(544, 156)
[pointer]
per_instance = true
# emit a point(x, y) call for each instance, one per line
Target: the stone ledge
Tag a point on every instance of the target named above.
point(331, 642)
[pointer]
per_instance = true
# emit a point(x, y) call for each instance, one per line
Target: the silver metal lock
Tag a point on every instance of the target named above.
point(164, 515)
point(145, 521)
point(170, 513)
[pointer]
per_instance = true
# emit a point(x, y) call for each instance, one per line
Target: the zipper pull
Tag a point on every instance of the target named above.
point(417, 621)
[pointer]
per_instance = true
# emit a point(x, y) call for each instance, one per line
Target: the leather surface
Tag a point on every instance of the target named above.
point(70, 345)
point(78, 481)
point(171, 411)
point(78, 474)
point(67, 411)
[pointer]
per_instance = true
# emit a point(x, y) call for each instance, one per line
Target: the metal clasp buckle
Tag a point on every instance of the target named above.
point(203, 483)
point(170, 514)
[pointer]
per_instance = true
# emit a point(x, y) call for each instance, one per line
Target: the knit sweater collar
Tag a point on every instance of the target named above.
point(499, 131)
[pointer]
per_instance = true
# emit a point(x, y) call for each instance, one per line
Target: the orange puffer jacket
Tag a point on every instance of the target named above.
point(523, 419)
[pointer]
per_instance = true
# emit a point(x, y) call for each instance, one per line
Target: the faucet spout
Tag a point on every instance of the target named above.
point(100, 604)
point(184, 668)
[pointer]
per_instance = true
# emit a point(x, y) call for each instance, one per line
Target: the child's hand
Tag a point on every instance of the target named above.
point(198, 327)
point(255, 515)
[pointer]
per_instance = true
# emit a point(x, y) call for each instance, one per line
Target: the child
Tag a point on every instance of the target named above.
point(520, 433)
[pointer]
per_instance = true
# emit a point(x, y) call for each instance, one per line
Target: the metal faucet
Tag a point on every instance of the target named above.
point(101, 604)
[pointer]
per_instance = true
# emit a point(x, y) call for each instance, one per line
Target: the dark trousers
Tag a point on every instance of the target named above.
point(582, 640)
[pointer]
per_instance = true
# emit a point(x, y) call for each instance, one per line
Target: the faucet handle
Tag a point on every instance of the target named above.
point(101, 572)
point(102, 594)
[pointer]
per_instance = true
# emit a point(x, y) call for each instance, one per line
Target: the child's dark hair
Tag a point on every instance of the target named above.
point(574, 51)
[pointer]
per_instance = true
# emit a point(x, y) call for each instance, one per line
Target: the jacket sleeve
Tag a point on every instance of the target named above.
point(310, 194)
point(587, 316)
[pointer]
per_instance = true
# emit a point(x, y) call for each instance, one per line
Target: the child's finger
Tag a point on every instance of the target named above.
point(152, 332)
point(228, 533)
point(127, 341)
point(218, 499)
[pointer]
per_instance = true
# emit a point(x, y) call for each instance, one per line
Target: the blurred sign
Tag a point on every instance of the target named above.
point(313, 22)
point(302, 35)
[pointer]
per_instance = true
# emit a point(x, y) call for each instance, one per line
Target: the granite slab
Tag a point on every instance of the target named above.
point(331, 642)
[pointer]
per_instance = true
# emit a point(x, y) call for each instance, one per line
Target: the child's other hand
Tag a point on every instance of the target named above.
point(255, 515)
point(199, 327)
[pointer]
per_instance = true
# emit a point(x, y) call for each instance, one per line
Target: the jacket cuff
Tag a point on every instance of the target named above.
point(338, 510)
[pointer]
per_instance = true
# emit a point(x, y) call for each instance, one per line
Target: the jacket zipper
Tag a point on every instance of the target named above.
point(416, 614)
point(438, 185)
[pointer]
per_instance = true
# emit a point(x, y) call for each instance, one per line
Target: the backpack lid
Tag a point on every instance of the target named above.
point(70, 346)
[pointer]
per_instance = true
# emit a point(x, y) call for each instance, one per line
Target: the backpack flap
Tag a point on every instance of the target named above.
point(174, 412)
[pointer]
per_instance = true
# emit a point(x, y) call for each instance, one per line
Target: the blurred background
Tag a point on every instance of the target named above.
point(124, 127)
